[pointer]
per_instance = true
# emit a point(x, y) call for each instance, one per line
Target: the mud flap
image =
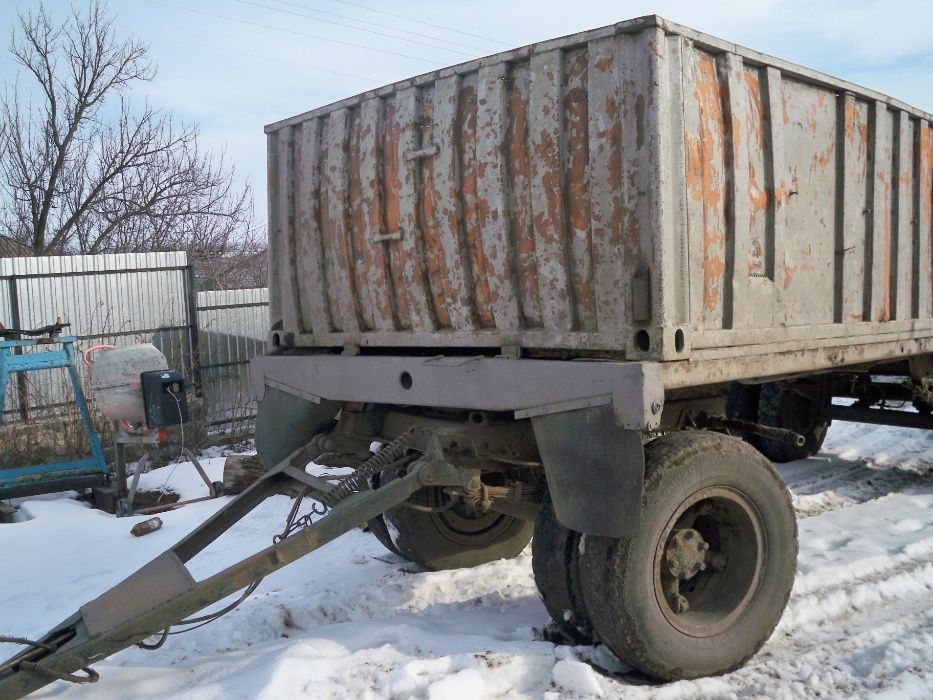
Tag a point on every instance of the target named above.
point(595, 470)
point(285, 422)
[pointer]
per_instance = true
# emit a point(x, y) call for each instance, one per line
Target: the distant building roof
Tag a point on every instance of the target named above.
point(13, 249)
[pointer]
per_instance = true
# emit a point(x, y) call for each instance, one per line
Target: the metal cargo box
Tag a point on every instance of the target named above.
point(641, 191)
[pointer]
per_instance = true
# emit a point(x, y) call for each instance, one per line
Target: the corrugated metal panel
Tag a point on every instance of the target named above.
point(641, 189)
point(101, 295)
point(232, 327)
point(140, 297)
point(108, 299)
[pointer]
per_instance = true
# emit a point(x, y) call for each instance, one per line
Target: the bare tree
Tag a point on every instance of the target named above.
point(84, 170)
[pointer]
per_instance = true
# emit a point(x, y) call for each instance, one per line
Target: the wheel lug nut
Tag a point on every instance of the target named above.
point(704, 546)
point(702, 566)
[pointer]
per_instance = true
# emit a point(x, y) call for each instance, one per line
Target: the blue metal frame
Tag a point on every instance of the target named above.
point(11, 363)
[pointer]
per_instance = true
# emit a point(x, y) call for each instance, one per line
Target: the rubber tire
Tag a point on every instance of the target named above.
point(555, 561)
point(782, 409)
point(380, 531)
point(378, 526)
point(422, 540)
point(618, 577)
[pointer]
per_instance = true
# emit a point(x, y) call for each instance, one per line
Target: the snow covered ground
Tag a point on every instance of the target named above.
point(353, 621)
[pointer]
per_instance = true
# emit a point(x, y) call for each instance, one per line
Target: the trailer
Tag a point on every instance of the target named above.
point(586, 290)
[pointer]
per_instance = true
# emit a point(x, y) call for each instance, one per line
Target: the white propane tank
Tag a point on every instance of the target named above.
point(115, 380)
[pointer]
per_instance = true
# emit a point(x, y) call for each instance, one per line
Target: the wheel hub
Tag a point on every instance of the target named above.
point(685, 554)
point(708, 561)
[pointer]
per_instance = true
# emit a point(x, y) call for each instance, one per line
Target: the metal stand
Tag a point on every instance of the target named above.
point(61, 476)
point(124, 506)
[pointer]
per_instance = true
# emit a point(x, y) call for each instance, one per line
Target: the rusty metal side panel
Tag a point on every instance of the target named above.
point(447, 259)
point(853, 179)
point(548, 207)
point(606, 213)
point(517, 204)
point(923, 217)
point(902, 276)
point(309, 252)
point(809, 154)
point(391, 190)
point(643, 190)
point(804, 205)
point(706, 132)
point(519, 188)
point(492, 196)
point(377, 290)
point(577, 186)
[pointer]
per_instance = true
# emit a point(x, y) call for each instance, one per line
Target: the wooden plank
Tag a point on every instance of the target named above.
point(378, 283)
point(335, 222)
point(547, 203)
point(446, 218)
point(605, 155)
point(309, 252)
point(491, 190)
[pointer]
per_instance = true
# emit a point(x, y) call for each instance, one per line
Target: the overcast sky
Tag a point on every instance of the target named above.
point(232, 66)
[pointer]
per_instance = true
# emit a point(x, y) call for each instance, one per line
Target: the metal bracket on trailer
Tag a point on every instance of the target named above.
point(163, 592)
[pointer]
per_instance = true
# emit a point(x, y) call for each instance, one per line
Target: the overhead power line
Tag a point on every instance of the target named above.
point(238, 52)
point(291, 31)
point(383, 26)
point(427, 24)
point(350, 26)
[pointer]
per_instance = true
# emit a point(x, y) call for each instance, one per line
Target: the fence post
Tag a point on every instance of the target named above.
point(194, 332)
point(22, 387)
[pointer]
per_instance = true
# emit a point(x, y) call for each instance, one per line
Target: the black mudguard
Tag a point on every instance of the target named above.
point(285, 422)
point(595, 470)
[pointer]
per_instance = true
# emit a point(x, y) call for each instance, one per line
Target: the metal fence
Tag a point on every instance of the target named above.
point(232, 327)
point(137, 298)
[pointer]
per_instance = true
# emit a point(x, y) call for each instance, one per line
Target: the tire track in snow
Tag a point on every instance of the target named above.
point(858, 483)
point(872, 647)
